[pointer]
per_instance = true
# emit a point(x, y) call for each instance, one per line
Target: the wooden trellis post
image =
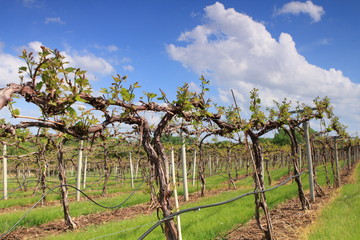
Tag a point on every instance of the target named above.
point(183, 158)
point(5, 172)
point(131, 171)
point(175, 193)
point(338, 181)
point(78, 177)
point(85, 172)
point(194, 169)
point(310, 163)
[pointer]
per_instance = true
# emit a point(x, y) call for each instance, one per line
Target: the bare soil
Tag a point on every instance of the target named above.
point(58, 227)
point(289, 221)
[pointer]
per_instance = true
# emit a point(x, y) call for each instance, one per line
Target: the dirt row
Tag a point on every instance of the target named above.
point(289, 221)
point(58, 227)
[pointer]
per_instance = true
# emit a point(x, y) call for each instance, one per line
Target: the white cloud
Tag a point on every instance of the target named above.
point(90, 62)
point(108, 48)
point(308, 7)
point(125, 60)
point(194, 87)
point(238, 53)
point(9, 67)
point(128, 67)
point(54, 20)
point(9, 64)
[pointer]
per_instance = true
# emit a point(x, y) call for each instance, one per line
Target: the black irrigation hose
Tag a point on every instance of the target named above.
point(9, 191)
point(14, 189)
point(213, 205)
point(98, 204)
point(67, 185)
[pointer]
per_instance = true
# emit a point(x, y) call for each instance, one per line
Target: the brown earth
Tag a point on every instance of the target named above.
point(289, 221)
point(58, 227)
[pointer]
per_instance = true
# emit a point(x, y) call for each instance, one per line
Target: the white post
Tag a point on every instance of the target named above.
point(116, 170)
point(183, 158)
point(194, 169)
point(337, 183)
point(310, 164)
point(175, 193)
point(300, 160)
point(349, 158)
point(137, 167)
point(167, 172)
point(84, 175)
point(210, 171)
point(131, 172)
point(5, 172)
point(78, 177)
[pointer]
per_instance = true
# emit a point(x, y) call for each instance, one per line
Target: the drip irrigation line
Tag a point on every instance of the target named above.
point(100, 205)
point(98, 180)
point(25, 214)
point(14, 189)
point(68, 185)
point(128, 229)
point(198, 208)
point(9, 192)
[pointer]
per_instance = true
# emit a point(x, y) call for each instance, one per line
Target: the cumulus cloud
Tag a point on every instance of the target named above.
point(90, 62)
point(34, 46)
point(128, 67)
point(238, 53)
point(108, 48)
point(54, 20)
point(9, 67)
point(307, 7)
point(194, 87)
point(10, 63)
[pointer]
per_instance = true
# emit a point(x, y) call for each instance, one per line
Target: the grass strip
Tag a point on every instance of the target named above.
point(204, 224)
point(340, 219)
point(45, 214)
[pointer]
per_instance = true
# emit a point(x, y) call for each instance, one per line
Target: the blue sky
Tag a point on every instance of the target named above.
point(293, 49)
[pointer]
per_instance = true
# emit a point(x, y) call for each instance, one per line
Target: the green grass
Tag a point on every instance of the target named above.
point(43, 215)
point(46, 214)
point(340, 220)
point(21, 198)
point(204, 224)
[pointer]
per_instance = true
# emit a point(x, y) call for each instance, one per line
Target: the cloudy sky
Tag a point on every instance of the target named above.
point(293, 49)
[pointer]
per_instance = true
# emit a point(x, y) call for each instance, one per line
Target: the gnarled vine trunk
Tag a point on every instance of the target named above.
point(155, 151)
point(305, 204)
point(106, 170)
point(63, 189)
point(260, 198)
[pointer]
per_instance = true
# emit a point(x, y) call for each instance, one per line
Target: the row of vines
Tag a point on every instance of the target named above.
point(111, 136)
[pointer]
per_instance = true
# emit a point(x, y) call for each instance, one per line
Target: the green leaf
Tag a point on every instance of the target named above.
point(104, 90)
point(39, 85)
point(160, 98)
point(70, 69)
point(79, 99)
point(71, 111)
point(125, 94)
point(16, 111)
